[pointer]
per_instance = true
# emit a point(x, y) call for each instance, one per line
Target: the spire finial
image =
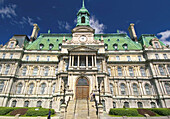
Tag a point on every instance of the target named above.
point(83, 4)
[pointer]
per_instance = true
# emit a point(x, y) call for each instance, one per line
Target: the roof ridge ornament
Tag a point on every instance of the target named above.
point(83, 6)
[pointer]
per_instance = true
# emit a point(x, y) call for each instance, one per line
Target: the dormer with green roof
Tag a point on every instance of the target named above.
point(83, 16)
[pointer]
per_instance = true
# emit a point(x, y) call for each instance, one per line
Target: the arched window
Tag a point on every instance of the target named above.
point(24, 70)
point(51, 104)
point(168, 67)
point(1, 86)
point(111, 89)
point(123, 89)
point(14, 102)
point(53, 88)
point(106, 46)
point(104, 106)
point(43, 88)
point(109, 71)
point(35, 71)
point(153, 105)
point(46, 70)
point(119, 70)
point(19, 88)
point(161, 70)
point(140, 105)
point(126, 104)
point(147, 89)
point(31, 88)
point(167, 87)
point(26, 103)
point(51, 46)
point(115, 46)
point(39, 104)
point(131, 71)
point(7, 69)
point(142, 71)
point(135, 89)
point(82, 19)
point(0, 68)
point(114, 104)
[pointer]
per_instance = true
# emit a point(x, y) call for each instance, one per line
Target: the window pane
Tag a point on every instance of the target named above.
point(39, 103)
point(117, 58)
point(24, 70)
point(14, 103)
point(119, 70)
point(3, 56)
point(26, 103)
point(122, 88)
point(147, 89)
point(135, 89)
point(161, 70)
point(126, 104)
point(142, 70)
point(53, 90)
point(140, 105)
point(0, 68)
point(11, 45)
point(31, 87)
point(167, 87)
point(43, 88)
point(7, 69)
point(89, 60)
point(153, 105)
point(75, 60)
point(165, 56)
point(19, 88)
point(82, 60)
point(156, 45)
point(157, 56)
point(128, 58)
point(139, 58)
point(46, 71)
point(35, 71)
point(131, 71)
point(111, 89)
point(1, 86)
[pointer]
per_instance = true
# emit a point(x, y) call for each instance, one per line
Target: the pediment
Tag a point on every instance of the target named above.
point(82, 49)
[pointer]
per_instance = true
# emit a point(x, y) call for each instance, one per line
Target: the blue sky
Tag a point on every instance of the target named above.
point(107, 16)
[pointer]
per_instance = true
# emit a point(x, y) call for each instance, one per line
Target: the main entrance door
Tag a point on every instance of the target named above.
point(82, 89)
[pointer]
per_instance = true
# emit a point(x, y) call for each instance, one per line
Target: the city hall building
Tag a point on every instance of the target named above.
point(45, 70)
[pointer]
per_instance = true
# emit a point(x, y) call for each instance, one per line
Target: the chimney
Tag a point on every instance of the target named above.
point(132, 32)
point(34, 33)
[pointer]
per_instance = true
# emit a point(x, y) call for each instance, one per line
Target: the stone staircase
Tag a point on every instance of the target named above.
point(81, 109)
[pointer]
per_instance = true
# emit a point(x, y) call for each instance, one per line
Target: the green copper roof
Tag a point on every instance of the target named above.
point(120, 40)
point(83, 10)
point(146, 38)
point(47, 39)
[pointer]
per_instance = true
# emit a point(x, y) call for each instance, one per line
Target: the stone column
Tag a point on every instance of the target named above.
point(49, 87)
point(72, 60)
point(92, 61)
point(152, 69)
point(26, 87)
point(141, 89)
point(95, 61)
point(78, 61)
point(86, 60)
point(128, 89)
point(36, 91)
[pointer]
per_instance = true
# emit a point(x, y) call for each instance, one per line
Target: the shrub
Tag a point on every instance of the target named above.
point(40, 112)
point(123, 112)
point(145, 111)
point(161, 111)
point(5, 110)
point(21, 111)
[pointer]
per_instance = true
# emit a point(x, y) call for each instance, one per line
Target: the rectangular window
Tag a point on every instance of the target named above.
point(117, 58)
point(75, 60)
point(128, 58)
point(38, 58)
point(27, 58)
point(48, 58)
point(139, 58)
point(11, 56)
point(156, 45)
point(11, 45)
point(165, 56)
point(89, 60)
point(119, 70)
point(3, 56)
point(99, 65)
point(82, 60)
point(157, 56)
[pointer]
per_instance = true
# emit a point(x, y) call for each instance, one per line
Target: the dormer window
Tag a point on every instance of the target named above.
point(51, 46)
point(66, 39)
point(57, 40)
point(48, 39)
point(108, 40)
point(41, 46)
point(156, 44)
point(125, 46)
point(105, 46)
point(83, 20)
point(115, 46)
point(118, 40)
point(59, 47)
point(11, 45)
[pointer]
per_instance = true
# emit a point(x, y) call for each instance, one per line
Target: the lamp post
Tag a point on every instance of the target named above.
point(99, 82)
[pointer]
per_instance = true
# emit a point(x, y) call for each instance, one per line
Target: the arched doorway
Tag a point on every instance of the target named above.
point(82, 88)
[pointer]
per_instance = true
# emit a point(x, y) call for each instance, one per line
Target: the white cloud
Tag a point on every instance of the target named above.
point(23, 21)
point(64, 25)
point(164, 36)
point(120, 31)
point(8, 11)
point(94, 23)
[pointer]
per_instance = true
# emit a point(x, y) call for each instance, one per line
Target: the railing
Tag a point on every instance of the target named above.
point(88, 105)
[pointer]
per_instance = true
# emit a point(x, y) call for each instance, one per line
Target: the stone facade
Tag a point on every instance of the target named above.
point(129, 72)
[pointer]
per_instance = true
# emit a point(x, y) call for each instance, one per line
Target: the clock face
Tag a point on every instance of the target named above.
point(83, 38)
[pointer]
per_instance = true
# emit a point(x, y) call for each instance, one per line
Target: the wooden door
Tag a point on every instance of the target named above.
point(82, 89)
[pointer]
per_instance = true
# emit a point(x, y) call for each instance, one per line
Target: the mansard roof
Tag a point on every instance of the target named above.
point(119, 39)
point(146, 38)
